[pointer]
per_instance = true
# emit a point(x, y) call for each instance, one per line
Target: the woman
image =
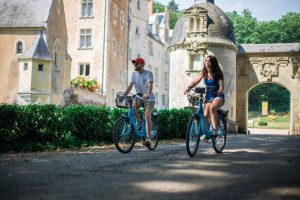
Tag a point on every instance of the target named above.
point(214, 80)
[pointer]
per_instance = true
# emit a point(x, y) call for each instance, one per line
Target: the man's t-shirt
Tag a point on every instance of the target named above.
point(140, 82)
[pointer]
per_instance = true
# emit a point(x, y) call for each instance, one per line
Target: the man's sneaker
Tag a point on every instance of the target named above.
point(214, 132)
point(147, 142)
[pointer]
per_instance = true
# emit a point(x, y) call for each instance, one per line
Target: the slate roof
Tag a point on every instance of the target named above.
point(269, 48)
point(24, 13)
point(38, 50)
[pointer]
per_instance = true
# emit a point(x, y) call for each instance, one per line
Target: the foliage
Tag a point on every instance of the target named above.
point(88, 122)
point(172, 9)
point(40, 127)
point(248, 30)
point(263, 123)
point(173, 6)
point(158, 7)
point(245, 27)
point(174, 16)
point(85, 82)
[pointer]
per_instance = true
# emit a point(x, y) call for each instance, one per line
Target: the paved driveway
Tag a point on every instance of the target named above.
point(251, 167)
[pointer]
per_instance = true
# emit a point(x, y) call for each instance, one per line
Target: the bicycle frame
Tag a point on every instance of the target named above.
point(200, 114)
point(130, 116)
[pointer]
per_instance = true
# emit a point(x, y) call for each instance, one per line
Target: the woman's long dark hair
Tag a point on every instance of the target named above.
point(215, 68)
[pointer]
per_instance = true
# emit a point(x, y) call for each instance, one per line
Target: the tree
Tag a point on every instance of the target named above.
point(289, 26)
point(248, 30)
point(173, 6)
point(174, 15)
point(158, 7)
point(245, 27)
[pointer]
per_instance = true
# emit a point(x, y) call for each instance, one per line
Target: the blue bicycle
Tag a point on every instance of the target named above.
point(125, 130)
point(196, 127)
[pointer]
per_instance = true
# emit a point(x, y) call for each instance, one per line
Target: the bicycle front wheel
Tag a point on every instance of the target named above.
point(220, 140)
point(192, 136)
point(123, 135)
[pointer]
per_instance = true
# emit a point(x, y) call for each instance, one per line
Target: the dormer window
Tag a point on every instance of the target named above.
point(19, 47)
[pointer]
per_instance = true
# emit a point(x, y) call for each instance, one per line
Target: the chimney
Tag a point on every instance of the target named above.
point(150, 7)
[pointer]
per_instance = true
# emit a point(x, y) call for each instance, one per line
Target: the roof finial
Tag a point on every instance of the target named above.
point(205, 1)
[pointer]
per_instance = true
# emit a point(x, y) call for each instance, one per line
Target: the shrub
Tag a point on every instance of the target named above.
point(88, 122)
point(40, 127)
point(262, 123)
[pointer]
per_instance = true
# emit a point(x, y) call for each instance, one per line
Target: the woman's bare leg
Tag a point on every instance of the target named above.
point(206, 115)
point(215, 106)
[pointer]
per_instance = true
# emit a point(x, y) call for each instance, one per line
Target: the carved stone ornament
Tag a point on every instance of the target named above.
point(269, 66)
point(296, 67)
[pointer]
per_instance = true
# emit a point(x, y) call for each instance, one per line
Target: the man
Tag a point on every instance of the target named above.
point(142, 80)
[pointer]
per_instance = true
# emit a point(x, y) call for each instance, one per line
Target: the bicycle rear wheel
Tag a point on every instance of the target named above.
point(220, 140)
point(192, 136)
point(154, 135)
point(123, 135)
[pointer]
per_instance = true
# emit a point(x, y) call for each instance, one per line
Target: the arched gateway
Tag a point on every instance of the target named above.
point(204, 29)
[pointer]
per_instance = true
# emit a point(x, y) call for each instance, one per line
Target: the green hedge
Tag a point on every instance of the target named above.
point(39, 127)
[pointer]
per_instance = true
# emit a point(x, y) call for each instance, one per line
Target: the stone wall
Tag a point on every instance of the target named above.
point(76, 96)
point(277, 63)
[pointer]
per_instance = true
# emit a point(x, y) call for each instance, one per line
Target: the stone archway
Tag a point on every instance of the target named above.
point(260, 67)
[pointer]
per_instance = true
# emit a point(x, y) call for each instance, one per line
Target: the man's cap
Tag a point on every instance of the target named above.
point(138, 60)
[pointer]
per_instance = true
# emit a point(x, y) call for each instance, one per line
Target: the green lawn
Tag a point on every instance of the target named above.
point(277, 121)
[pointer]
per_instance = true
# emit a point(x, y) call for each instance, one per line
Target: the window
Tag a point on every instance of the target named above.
point(41, 67)
point(122, 18)
point(19, 47)
point(129, 24)
point(113, 94)
point(163, 100)
point(115, 12)
point(85, 38)
point(156, 98)
point(150, 48)
point(196, 62)
point(166, 58)
point(25, 66)
point(114, 45)
point(84, 69)
point(57, 55)
point(166, 80)
point(129, 54)
point(138, 5)
point(156, 76)
point(87, 8)
point(137, 31)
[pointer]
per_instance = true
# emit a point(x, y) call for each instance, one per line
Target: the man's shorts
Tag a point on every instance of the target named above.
point(148, 105)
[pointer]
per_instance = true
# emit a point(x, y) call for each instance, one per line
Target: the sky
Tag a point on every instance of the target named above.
point(262, 10)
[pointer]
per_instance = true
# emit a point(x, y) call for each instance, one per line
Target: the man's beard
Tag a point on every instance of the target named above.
point(137, 68)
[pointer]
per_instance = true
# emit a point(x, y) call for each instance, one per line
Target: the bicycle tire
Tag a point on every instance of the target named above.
point(154, 135)
point(123, 135)
point(220, 140)
point(192, 137)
